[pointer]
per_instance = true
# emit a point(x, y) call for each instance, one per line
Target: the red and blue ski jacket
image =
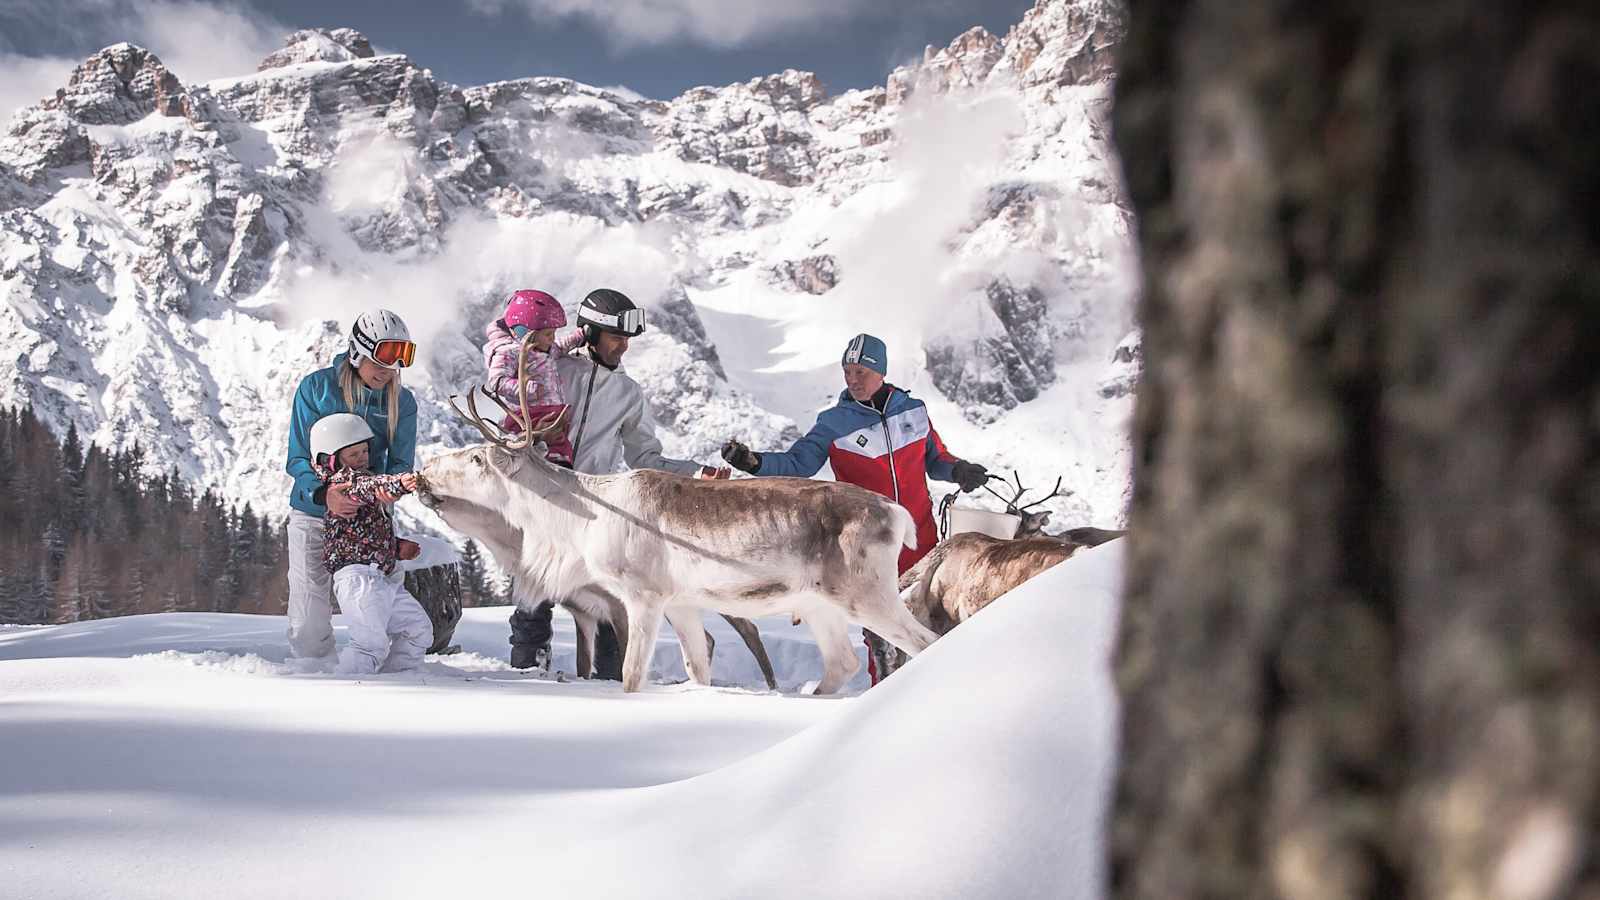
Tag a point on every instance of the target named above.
point(892, 453)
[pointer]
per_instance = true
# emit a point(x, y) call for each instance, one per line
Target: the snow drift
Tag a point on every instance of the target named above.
point(188, 768)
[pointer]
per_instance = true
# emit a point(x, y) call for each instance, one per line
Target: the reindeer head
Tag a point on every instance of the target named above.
point(472, 478)
point(1033, 523)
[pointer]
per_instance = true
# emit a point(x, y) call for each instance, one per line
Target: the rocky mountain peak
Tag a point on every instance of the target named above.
point(1065, 42)
point(319, 45)
point(122, 83)
point(965, 63)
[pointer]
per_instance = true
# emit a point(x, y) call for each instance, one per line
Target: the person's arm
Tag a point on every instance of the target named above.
point(805, 458)
point(938, 460)
point(403, 449)
point(572, 340)
point(367, 488)
point(299, 465)
point(545, 388)
point(942, 465)
point(642, 449)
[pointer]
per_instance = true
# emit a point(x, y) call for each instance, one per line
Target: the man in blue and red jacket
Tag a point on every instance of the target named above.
point(877, 437)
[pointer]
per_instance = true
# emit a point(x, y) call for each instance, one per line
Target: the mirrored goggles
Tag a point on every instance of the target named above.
point(394, 353)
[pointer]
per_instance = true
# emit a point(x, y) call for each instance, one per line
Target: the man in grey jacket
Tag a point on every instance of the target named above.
point(611, 430)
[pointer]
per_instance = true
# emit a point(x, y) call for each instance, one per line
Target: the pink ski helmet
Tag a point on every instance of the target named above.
point(534, 309)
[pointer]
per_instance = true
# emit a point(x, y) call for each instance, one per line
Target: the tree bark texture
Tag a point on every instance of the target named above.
point(1360, 647)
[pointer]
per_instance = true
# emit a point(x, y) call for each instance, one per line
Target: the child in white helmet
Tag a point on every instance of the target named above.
point(389, 631)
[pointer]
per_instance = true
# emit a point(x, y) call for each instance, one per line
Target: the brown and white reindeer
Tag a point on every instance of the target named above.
point(666, 546)
point(967, 571)
point(587, 608)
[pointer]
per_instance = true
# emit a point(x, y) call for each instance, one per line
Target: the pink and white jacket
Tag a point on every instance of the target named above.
point(500, 365)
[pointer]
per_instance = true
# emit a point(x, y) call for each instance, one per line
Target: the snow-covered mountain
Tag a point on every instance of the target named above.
point(174, 257)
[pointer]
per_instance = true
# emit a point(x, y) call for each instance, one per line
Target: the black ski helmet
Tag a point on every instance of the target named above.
point(611, 311)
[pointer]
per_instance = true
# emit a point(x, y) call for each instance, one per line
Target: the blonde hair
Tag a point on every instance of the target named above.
point(347, 386)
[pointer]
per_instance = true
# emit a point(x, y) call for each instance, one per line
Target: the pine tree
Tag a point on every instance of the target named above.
point(472, 575)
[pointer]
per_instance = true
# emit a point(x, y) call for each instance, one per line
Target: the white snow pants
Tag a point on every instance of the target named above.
point(389, 630)
point(310, 589)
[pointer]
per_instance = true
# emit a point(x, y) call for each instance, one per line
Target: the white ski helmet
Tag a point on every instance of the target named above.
point(333, 433)
point(381, 336)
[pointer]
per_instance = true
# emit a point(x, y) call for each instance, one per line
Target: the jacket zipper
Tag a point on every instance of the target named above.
point(888, 441)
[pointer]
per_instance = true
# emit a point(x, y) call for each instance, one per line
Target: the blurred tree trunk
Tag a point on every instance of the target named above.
point(1360, 649)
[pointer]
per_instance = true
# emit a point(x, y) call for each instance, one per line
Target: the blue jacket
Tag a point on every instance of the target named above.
point(892, 453)
point(318, 396)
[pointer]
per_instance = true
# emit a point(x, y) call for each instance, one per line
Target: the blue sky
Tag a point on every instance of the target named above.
point(655, 47)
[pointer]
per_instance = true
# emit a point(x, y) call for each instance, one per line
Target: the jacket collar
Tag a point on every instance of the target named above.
point(888, 394)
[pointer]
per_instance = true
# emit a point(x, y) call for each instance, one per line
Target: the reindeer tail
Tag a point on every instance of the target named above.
point(908, 525)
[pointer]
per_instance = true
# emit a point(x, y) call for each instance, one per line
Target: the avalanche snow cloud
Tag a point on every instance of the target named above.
point(982, 769)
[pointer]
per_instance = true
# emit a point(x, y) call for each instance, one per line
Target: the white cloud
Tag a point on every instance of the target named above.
point(896, 241)
point(197, 41)
point(25, 80)
point(717, 23)
point(564, 254)
point(201, 41)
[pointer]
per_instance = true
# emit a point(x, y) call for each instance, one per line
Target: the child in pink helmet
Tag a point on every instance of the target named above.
point(539, 314)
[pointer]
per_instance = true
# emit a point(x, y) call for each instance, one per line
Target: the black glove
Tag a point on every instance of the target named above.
point(970, 476)
point(741, 457)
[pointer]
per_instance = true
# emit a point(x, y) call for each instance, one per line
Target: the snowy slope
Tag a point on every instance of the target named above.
point(982, 769)
point(175, 256)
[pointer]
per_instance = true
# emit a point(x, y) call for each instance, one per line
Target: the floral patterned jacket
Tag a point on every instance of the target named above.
point(367, 538)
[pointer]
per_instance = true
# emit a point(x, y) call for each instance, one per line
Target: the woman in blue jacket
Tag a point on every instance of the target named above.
point(365, 381)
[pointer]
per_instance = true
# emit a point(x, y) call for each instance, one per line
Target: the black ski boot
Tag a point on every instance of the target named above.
point(530, 637)
point(607, 653)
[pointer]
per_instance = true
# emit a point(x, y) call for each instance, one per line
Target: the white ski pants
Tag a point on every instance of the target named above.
point(389, 631)
point(310, 589)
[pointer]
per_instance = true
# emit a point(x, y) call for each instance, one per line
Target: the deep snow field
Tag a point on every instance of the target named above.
point(180, 756)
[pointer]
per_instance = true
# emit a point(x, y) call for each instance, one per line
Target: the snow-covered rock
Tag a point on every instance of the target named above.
point(174, 257)
point(319, 45)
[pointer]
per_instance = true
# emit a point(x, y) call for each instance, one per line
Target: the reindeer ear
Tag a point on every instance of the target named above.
point(506, 462)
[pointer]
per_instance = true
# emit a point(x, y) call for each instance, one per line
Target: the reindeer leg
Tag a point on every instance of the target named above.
point(584, 622)
point(644, 621)
point(752, 638)
point(894, 623)
point(685, 621)
point(839, 662)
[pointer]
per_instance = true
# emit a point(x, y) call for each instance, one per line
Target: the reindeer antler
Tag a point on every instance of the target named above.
point(1012, 505)
point(531, 430)
point(1054, 492)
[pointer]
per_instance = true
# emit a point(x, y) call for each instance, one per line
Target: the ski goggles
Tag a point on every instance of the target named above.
point(629, 322)
point(394, 353)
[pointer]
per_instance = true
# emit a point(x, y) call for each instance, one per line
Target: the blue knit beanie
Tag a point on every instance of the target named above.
point(866, 350)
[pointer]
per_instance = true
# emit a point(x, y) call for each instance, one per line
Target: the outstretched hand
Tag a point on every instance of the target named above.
point(741, 457)
point(405, 549)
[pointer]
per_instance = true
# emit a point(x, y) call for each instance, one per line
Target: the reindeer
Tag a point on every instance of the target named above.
point(665, 546)
point(967, 571)
point(587, 608)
